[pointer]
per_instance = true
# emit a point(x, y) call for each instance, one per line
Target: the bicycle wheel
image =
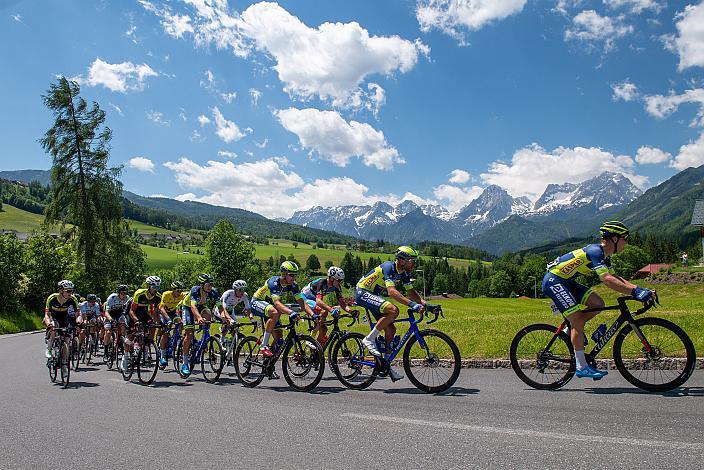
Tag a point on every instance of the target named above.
point(435, 367)
point(65, 363)
point(248, 362)
point(75, 353)
point(175, 351)
point(303, 363)
point(168, 338)
point(330, 345)
point(51, 364)
point(109, 353)
point(89, 349)
point(129, 370)
point(353, 365)
point(178, 360)
point(668, 365)
point(540, 366)
point(211, 361)
point(148, 363)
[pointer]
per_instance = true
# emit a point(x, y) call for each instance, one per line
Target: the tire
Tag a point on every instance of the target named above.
point(167, 347)
point(148, 363)
point(436, 367)
point(330, 345)
point(248, 362)
point(178, 360)
point(175, 351)
point(351, 362)
point(669, 366)
point(303, 363)
point(89, 349)
point(52, 364)
point(109, 353)
point(65, 363)
point(75, 353)
point(536, 367)
point(129, 370)
point(212, 360)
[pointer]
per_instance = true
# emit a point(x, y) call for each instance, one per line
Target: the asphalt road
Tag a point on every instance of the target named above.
point(488, 420)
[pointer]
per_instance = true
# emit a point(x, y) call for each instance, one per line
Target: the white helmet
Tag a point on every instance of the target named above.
point(336, 273)
point(239, 285)
point(153, 281)
point(66, 284)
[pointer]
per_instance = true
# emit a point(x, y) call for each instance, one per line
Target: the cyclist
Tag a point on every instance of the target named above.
point(314, 292)
point(229, 300)
point(168, 308)
point(570, 297)
point(141, 309)
point(60, 308)
point(384, 280)
point(115, 310)
point(190, 315)
point(89, 311)
point(266, 302)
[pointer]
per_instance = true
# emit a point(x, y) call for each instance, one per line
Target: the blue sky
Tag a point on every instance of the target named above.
point(276, 107)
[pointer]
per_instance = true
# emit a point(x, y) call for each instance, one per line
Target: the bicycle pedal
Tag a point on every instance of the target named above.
point(597, 378)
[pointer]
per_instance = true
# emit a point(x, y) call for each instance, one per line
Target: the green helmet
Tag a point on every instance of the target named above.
point(177, 285)
point(406, 252)
point(289, 267)
point(613, 227)
point(203, 278)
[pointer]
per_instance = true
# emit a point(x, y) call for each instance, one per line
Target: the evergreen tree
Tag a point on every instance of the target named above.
point(312, 263)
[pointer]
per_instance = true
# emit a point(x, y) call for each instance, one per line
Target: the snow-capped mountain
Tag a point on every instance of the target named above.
point(408, 222)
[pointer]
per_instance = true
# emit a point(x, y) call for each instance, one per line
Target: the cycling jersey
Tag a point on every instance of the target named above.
point(62, 313)
point(144, 299)
point(319, 287)
point(116, 306)
point(272, 290)
point(230, 300)
point(383, 276)
point(585, 260)
point(89, 311)
point(196, 298)
point(169, 302)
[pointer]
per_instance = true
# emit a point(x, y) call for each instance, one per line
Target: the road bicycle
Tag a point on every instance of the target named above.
point(144, 355)
point(229, 344)
point(89, 346)
point(303, 360)
point(173, 330)
point(336, 333)
point(60, 360)
point(651, 353)
point(113, 349)
point(433, 366)
point(207, 351)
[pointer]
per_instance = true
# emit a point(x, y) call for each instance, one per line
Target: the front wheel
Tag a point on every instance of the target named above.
point(303, 363)
point(76, 351)
point(65, 363)
point(663, 360)
point(353, 365)
point(542, 356)
point(435, 366)
point(147, 363)
point(249, 362)
point(211, 361)
point(129, 370)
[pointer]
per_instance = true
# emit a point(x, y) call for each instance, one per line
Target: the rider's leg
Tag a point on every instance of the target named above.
point(578, 320)
point(270, 326)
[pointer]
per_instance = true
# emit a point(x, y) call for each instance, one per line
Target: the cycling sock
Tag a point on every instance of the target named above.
point(373, 334)
point(163, 353)
point(581, 359)
point(265, 339)
point(185, 359)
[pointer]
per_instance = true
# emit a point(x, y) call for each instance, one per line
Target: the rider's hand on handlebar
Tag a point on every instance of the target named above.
point(641, 293)
point(293, 316)
point(416, 307)
point(335, 312)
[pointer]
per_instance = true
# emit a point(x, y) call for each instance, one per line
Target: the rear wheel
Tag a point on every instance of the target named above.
point(352, 363)
point(90, 342)
point(542, 356)
point(65, 363)
point(668, 364)
point(178, 360)
point(52, 362)
point(303, 363)
point(109, 353)
point(76, 350)
point(129, 369)
point(249, 362)
point(147, 363)
point(211, 361)
point(435, 367)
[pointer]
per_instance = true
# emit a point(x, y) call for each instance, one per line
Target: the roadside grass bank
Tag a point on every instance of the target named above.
point(20, 321)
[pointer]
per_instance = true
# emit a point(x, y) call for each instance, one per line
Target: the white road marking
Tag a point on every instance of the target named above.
point(626, 441)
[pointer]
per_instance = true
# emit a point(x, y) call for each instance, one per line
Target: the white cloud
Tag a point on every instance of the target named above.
point(227, 154)
point(209, 81)
point(17, 18)
point(691, 155)
point(203, 120)
point(182, 115)
point(329, 62)
point(651, 155)
point(228, 131)
point(532, 168)
point(122, 77)
point(336, 140)
point(591, 29)
point(661, 106)
point(689, 41)
point(459, 176)
point(228, 97)
point(174, 24)
point(635, 6)
point(196, 137)
point(116, 108)
point(454, 197)
point(249, 186)
point(625, 91)
point(254, 95)
point(131, 33)
point(141, 164)
point(262, 144)
point(451, 16)
point(158, 118)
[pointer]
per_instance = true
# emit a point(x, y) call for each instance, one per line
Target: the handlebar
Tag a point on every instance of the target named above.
point(435, 310)
point(652, 302)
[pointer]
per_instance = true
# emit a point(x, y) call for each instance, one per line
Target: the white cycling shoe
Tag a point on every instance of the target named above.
point(371, 346)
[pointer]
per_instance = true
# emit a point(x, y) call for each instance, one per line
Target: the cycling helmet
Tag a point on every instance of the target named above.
point(406, 252)
point(153, 281)
point(613, 227)
point(177, 285)
point(66, 284)
point(203, 278)
point(122, 288)
point(289, 267)
point(91, 297)
point(336, 273)
point(239, 285)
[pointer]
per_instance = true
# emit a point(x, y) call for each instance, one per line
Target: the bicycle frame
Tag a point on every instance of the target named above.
point(412, 330)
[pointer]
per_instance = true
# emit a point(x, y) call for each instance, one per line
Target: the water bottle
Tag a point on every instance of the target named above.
point(381, 344)
point(279, 344)
point(599, 332)
point(394, 343)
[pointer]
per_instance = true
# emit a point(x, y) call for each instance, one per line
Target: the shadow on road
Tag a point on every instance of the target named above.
point(76, 384)
point(451, 392)
point(678, 392)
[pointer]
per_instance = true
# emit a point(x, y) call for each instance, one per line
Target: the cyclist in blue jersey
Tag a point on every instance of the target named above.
point(570, 297)
point(313, 294)
point(383, 280)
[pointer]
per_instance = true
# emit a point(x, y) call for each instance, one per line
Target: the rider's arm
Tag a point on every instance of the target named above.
point(279, 305)
point(304, 306)
point(132, 310)
point(617, 283)
point(397, 296)
point(320, 303)
point(415, 296)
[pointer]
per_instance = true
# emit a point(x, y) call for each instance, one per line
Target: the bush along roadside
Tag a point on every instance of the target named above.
point(19, 321)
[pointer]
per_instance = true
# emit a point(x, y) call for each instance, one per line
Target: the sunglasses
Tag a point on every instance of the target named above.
point(69, 291)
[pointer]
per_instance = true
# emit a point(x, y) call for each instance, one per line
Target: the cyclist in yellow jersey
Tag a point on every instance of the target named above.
point(570, 297)
point(168, 308)
point(60, 307)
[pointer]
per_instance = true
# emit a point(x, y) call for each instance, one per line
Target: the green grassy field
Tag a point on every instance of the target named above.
point(12, 218)
point(20, 321)
point(163, 258)
point(143, 228)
